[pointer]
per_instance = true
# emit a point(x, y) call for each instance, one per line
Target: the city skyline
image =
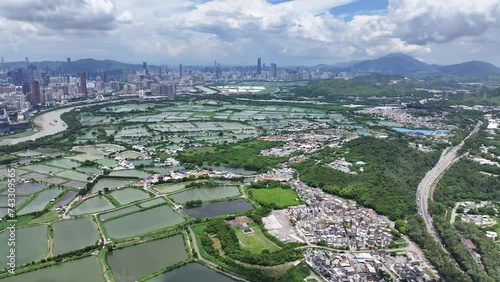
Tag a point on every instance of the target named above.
point(236, 32)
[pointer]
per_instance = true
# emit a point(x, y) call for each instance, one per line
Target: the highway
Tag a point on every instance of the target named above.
point(426, 186)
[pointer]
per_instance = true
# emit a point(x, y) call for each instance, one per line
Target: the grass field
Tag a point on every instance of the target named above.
point(255, 242)
point(282, 198)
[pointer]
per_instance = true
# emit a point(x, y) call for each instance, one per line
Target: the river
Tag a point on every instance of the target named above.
point(48, 124)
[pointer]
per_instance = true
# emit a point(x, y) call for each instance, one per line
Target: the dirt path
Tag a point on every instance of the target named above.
point(50, 247)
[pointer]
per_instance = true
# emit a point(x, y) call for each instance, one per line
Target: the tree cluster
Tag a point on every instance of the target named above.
point(231, 246)
point(389, 181)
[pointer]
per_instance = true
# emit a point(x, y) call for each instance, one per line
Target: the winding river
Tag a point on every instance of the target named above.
point(48, 124)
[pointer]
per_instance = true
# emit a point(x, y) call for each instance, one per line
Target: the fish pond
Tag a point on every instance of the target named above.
point(41, 201)
point(106, 216)
point(143, 222)
point(132, 263)
point(110, 183)
point(93, 205)
point(31, 245)
point(206, 194)
point(82, 270)
point(128, 196)
point(220, 208)
point(71, 235)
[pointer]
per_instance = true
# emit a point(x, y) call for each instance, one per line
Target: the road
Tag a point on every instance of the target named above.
point(426, 186)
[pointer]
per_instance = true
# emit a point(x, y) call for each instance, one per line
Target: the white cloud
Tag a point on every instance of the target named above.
point(125, 17)
point(238, 31)
point(424, 21)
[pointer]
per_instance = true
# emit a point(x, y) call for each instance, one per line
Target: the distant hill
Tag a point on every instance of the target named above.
point(470, 68)
point(402, 64)
point(369, 85)
point(90, 65)
point(377, 79)
point(393, 64)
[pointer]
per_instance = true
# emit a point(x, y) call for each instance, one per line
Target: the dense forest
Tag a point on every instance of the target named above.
point(441, 261)
point(389, 181)
point(461, 252)
point(242, 155)
point(489, 250)
point(463, 181)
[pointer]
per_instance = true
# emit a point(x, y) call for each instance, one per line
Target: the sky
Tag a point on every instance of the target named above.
point(237, 32)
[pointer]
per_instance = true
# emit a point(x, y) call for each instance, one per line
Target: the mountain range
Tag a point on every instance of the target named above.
point(395, 64)
point(402, 64)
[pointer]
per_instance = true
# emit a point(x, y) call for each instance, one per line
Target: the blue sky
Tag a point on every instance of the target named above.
point(347, 11)
point(359, 7)
point(295, 32)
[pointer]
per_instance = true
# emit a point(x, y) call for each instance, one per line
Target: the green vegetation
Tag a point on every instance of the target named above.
point(242, 155)
point(477, 97)
point(460, 251)
point(489, 251)
point(230, 245)
point(433, 251)
point(275, 198)
point(7, 158)
point(252, 274)
point(363, 86)
point(463, 181)
point(255, 241)
point(193, 203)
point(389, 181)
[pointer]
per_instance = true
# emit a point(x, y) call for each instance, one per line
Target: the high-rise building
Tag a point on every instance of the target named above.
point(83, 83)
point(3, 61)
point(35, 97)
point(25, 87)
point(168, 90)
point(274, 70)
point(32, 72)
point(68, 60)
point(26, 60)
point(181, 71)
point(115, 85)
point(259, 66)
point(218, 72)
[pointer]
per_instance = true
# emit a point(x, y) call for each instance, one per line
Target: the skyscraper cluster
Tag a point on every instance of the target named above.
point(273, 72)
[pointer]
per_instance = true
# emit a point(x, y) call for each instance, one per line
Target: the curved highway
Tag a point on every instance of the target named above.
point(425, 188)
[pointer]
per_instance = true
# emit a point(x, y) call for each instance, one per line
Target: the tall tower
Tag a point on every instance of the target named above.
point(36, 94)
point(274, 70)
point(259, 66)
point(181, 71)
point(83, 83)
point(68, 60)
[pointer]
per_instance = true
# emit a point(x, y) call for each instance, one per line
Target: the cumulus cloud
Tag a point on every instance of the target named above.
point(237, 31)
point(125, 17)
point(65, 14)
point(423, 21)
